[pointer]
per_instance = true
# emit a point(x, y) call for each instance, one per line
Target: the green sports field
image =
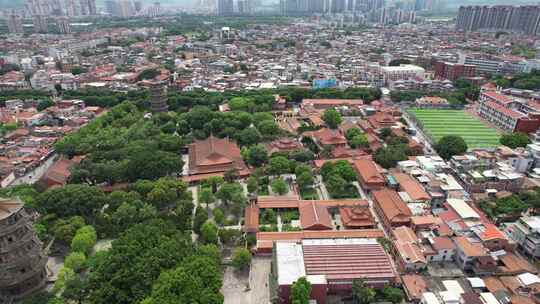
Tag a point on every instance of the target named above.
point(438, 123)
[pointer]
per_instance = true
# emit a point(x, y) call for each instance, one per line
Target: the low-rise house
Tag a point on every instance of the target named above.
point(415, 192)
point(443, 247)
point(408, 250)
point(392, 211)
point(526, 233)
point(473, 256)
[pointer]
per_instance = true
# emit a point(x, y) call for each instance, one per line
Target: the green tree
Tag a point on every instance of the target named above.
point(72, 200)
point(300, 291)
point(268, 128)
point(332, 118)
point(278, 165)
point(214, 182)
point(198, 280)
point(252, 184)
point(450, 145)
point(392, 294)
point(201, 216)
point(228, 236)
point(241, 258)
point(384, 133)
point(230, 192)
point(335, 184)
point(359, 141)
point(219, 217)
point(136, 260)
point(84, 240)
point(345, 170)
point(249, 136)
point(76, 290)
point(361, 293)
point(279, 186)
point(256, 155)
point(44, 104)
point(305, 180)
point(209, 233)
point(388, 157)
point(76, 261)
point(269, 216)
point(206, 196)
point(352, 132)
point(148, 74)
point(131, 213)
point(65, 229)
point(514, 140)
point(77, 70)
point(64, 275)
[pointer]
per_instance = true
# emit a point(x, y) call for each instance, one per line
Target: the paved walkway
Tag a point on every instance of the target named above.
point(235, 289)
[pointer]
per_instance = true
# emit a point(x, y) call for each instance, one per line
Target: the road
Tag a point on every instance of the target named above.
point(420, 136)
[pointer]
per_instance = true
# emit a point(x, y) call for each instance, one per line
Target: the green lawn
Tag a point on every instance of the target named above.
point(438, 123)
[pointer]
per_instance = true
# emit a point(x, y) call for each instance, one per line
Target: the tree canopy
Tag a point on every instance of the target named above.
point(332, 118)
point(450, 145)
point(300, 291)
point(514, 140)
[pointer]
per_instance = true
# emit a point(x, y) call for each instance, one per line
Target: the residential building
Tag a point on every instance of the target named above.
point(402, 72)
point(407, 249)
point(41, 24)
point(225, 7)
point(454, 71)
point(443, 249)
point(473, 256)
point(526, 233)
point(409, 189)
point(63, 25)
point(518, 19)
point(15, 25)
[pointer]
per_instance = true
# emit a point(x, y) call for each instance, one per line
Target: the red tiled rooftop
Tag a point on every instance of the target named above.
point(368, 171)
point(358, 216)
point(410, 185)
point(333, 102)
point(348, 261)
point(443, 243)
point(323, 234)
point(414, 286)
point(469, 248)
point(314, 216)
point(391, 205)
point(214, 155)
point(501, 99)
point(251, 215)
